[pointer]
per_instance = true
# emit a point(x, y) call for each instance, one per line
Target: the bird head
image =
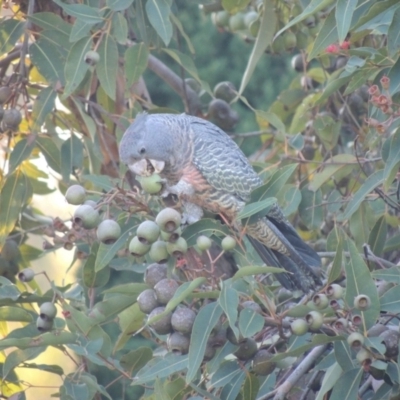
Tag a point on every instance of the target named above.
point(147, 145)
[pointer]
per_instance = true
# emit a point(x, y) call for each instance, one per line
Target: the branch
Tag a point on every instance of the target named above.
point(381, 261)
point(176, 83)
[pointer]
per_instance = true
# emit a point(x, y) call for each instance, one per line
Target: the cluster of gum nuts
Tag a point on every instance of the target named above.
point(178, 324)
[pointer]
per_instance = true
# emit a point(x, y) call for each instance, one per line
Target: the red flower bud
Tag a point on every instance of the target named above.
point(345, 45)
point(332, 48)
point(374, 90)
point(385, 82)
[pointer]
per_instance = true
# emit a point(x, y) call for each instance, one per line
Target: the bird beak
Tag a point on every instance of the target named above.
point(147, 167)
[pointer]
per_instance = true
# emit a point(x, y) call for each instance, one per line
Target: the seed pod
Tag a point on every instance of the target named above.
point(48, 311)
point(155, 273)
point(137, 248)
point(362, 302)
point(26, 275)
point(178, 343)
point(86, 217)
point(108, 231)
point(314, 320)
point(148, 232)
point(75, 195)
point(299, 327)
point(165, 290)
point(162, 326)
point(262, 364)
point(228, 243)
point(355, 339)
point(168, 219)
point(183, 319)
point(147, 301)
point(158, 252)
point(44, 325)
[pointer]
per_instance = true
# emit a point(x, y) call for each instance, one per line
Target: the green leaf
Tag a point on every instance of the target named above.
point(184, 291)
point(71, 156)
point(232, 389)
point(360, 223)
point(43, 105)
point(234, 6)
point(119, 28)
point(337, 262)
point(310, 209)
point(272, 187)
point(53, 369)
point(205, 227)
point(50, 152)
point(118, 5)
point(19, 356)
point(136, 359)
point(49, 20)
point(250, 322)
point(359, 281)
point(376, 9)
point(334, 83)
point(393, 36)
point(229, 302)
point(291, 199)
point(184, 61)
point(21, 152)
point(347, 385)
point(271, 118)
point(107, 67)
point(331, 167)
point(373, 181)
point(313, 7)
point(390, 301)
point(331, 376)
point(92, 278)
point(204, 323)
point(255, 270)
point(328, 130)
point(47, 60)
point(13, 197)
point(15, 314)
point(327, 35)
point(76, 67)
point(161, 368)
point(263, 40)
point(377, 236)
point(252, 212)
point(251, 387)
point(343, 355)
point(393, 161)
point(344, 14)
point(107, 252)
point(158, 14)
point(135, 62)
point(89, 14)
point(10, 31)
point(80, 29)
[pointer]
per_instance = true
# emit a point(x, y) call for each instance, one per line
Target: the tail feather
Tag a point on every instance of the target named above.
point(302, 263)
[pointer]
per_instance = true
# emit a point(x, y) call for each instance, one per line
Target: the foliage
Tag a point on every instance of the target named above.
point(72, 81)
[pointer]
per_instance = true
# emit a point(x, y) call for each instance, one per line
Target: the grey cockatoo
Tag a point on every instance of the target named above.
point(207, 170)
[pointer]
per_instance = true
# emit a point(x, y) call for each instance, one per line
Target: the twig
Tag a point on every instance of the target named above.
point(385, 263)
point(176, 83)
point(301, 369)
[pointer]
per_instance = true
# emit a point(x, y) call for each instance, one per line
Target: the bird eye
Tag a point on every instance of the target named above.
point(142, 150)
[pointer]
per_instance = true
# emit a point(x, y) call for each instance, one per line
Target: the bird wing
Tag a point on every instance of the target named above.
point(221, 162)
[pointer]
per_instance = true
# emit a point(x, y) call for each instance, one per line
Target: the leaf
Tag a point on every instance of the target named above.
point(328, 130)
point(375, 10)
point(343, 355)
point(264, 39)
point(162, 368)
point(50, 152)
point(331, 376)
point(119, 28)
point(252, 212)
point(89, 14)
point(184, 61)
point(185, 290)
point(388, 275)
point(274, 184)
point(71, 156)
point(229, 302)
point(76, 67)
point(226, 372)
point(373, 181)
point(251, 387)
point(136, 359)
point(250, 322)
point(331, 167)
point(393, 36)
point(205, 227)
point(327, 35)
point(336, 269)
point(310, 209)
point(158, 14)
point(92, 278)
point(377, 236)
point(10, 31)
point(390, 301)
point(347, 385)
point(232, 389)
point(80, 29)
point(204, 323)
point(15, 314)
point(135, 62)
point(19, 356)
point(107, 67)
point(234, 6)
point(47, 60)
point(107, 252)
point(393, 160)
point(255, 270)
point(43, 105)
point(20, 153)
point(13, 197)
point(359, 281)
point(313, 7)
point(344, 14)
point(118, 5)
point(334, 83)
point(49, 20)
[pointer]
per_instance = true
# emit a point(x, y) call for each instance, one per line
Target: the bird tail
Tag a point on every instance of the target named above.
point(302, 263)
